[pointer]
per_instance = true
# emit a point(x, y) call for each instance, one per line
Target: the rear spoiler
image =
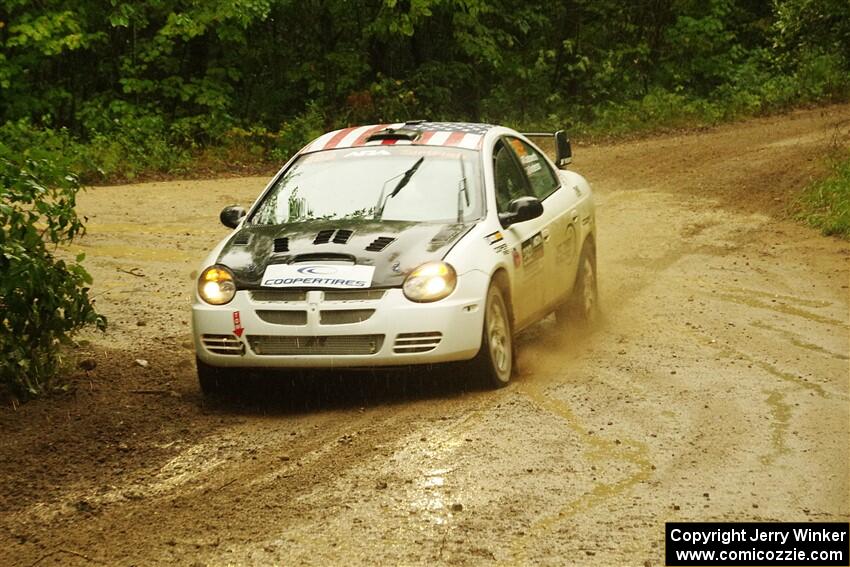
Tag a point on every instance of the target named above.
point(563, 149)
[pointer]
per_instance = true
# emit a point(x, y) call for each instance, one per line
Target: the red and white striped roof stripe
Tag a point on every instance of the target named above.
point(354, 137)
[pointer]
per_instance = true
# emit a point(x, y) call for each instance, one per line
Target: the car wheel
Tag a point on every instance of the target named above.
point(583, 304)
point(214, 381)
point(494, 363)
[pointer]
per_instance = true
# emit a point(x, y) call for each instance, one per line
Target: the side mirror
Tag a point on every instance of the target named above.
point(521, 210)
point(563, 150)
point(232, 215)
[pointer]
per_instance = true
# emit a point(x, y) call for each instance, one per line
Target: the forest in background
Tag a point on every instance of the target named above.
point(94, 91)
point(164, 86)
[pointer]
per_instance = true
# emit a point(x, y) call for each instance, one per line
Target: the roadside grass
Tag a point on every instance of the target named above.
point(825, 204)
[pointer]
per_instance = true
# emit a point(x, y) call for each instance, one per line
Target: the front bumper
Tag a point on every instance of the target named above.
point(330, 329)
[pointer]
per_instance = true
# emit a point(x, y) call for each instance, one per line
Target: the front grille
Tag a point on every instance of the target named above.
point(325, 345)
point(300, 296)
point(344, 316)
point(278, 295)
point(223, 344)
point(355, 295)
point(409, 343)
point(283, 317)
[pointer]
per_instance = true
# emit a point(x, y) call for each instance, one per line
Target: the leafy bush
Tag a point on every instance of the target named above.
point(43, 298)
point(821, 76)
point(658, 110)
point(124, 140)
point(826, 203)
point(294, 133)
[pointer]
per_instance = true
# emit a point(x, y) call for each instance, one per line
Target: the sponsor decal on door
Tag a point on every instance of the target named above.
point(532, 251)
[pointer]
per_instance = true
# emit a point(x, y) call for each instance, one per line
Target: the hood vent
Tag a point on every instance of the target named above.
point(281, 244)
point(339, 236)
point(342, 236)
point(323, 237)
point(241, 239)
point(380, 243)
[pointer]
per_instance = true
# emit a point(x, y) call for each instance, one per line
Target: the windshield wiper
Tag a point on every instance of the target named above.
point(463, 191)
point(405, 179)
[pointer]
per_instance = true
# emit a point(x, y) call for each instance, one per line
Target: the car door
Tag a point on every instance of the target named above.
point(559, 228)
point(525, 239)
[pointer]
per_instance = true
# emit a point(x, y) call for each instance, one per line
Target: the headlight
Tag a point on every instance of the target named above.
point(216, 285)
point(430, 282)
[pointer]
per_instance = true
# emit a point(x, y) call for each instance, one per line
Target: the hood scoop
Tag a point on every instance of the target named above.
point(380, 243)
point(281, 244)
point(325, 257)
point(338, 236)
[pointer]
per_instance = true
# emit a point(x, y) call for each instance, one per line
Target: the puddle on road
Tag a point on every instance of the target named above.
point(430, 498)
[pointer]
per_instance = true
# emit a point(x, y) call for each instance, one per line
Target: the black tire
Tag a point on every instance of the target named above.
point(215, 381)
point(494, 363)
point(583, 305)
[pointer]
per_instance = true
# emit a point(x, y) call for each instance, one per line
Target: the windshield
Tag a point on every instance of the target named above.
point(384, 183)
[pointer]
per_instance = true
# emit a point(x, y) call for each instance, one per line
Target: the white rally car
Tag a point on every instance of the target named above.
point(395, 245)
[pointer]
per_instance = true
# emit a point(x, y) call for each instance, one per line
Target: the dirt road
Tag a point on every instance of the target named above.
point(715, 389)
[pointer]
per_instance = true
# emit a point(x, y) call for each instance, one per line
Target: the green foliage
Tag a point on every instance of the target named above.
point(707, 51)
point(146, 86)
point(43, 298)
point(294, 134)
point(658, 110)
point(826, 203)
point(812, 25)
point(124, 140)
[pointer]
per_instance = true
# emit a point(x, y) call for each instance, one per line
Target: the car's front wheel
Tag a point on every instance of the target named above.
point(214, 381)
point(494, 363)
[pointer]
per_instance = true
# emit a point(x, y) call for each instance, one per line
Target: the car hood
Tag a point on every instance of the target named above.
point(392, 247)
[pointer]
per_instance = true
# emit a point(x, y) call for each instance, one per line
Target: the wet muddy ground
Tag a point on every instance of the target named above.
point(715, 388)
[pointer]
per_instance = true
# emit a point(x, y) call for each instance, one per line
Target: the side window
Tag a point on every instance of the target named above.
point(542, 179)
point(510, 182)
